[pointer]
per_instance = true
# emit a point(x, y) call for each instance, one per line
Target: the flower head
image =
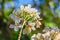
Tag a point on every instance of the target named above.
point(31, 15)
point(57, 37)
point(48, 35)
point(37, 37)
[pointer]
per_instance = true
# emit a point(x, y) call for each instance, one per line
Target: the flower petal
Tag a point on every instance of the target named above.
point(26, 31)
point(33, 28)
point(16, 28)
point(11, 26)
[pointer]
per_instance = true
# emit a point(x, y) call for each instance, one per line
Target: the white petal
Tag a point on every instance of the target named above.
point(12, 16)
point(46, 29)
point(32, 39)
point(55, 28)
point(38, 35)
point(38, 26)
point(57, 37)
point(16, 28)
point(29, 5)
point(31, 23)
point(26, 31)
point(26, 8)
point(33, 28)
point(22, 7)
point(37, 16)
point(52, 31)
point(34, 35)
point(11, 26)
point(43, 35)
point(47, 33)
point(50, 38)
point(38, 13)
point(17, 21)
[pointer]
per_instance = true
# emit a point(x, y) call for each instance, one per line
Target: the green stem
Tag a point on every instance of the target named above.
point(19, 36)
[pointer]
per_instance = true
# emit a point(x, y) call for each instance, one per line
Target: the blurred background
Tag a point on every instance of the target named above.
point(49, 9)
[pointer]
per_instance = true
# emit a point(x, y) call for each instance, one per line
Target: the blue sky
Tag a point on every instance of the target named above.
point(18, 3)
point(25, 2)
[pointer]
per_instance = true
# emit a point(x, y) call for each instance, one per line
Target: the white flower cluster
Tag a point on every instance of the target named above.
point(49, 35)
point(31, 15)
point(51, 28)
point(40, 36)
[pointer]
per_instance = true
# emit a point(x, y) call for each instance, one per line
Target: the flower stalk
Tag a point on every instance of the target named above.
point(20, 32)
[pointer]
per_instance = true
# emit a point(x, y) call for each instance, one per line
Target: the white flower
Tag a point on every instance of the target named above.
point(46, 36)
point(26, 13)
point(46, 29)
point(34, 10)
point(11, 26)
point(30, 27)
point(38, 23)
point(17, 11)
point(52, 31)
point(57, 37)
point(33, 37)
point(55, 28)
point(32, 24)
point(43, 35)
point(47, 33)
point(27, 9)
point(29, 6)
point(39, 35)
point(38, 13)
point(37, 16)
point(33, 28)
point(16, 28)
point(21, 7)
point(15, 19)
point(27, 30)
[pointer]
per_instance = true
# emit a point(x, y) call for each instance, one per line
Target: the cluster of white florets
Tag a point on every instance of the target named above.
point(53, 34)
point(31, 15)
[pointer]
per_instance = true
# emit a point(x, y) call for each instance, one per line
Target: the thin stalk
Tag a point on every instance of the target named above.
point(20, 32)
